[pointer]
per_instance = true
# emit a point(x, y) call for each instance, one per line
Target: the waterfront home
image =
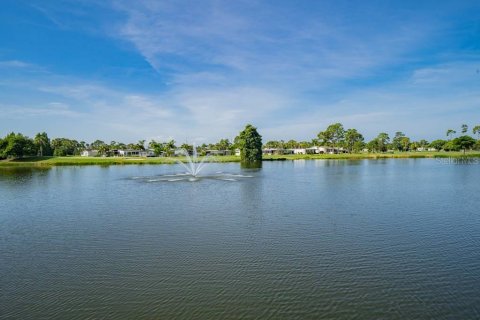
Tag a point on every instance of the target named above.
point(89, 153)
point(276, 151)
point(237, 152)
point(218, 152)
point(324, 150)
point(299, 151)
point(135, 153)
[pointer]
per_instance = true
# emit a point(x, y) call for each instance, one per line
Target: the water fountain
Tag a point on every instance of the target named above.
point(193, 164)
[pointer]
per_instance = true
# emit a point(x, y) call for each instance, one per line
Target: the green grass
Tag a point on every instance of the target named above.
point(358, 156)
point(79, 161)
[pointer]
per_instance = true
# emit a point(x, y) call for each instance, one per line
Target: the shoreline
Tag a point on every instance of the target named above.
point(85, 161)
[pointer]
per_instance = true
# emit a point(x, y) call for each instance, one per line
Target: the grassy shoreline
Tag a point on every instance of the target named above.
point(80, 161)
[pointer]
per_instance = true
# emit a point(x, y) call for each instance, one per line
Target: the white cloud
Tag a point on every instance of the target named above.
point(52, 109)
point(15, 64)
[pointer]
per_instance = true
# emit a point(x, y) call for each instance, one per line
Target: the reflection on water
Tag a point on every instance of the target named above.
point(367, 239)
point(188, 177)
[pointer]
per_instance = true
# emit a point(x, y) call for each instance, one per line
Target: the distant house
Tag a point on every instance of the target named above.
point(277, 151)
point(426, 149)
point(299, 151)
point(89, 153)
point(270, 151)
point(218, 152)
point(237, 152)
point(135, 153)
point(181, 152)
point(324, 150)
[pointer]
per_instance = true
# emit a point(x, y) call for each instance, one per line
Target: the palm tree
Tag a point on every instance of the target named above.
point(476, 130)
point(450, 132)
point(42, 142)
point(141, 145)
point(352, 136)
point(464, 128)
point(170, 147)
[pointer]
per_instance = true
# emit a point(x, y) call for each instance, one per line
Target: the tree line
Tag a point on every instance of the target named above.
point(17, 145)
point(335, 135)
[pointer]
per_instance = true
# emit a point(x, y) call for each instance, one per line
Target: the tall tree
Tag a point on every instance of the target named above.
point(382, 141)
point(141, 145)
point(464, 128)
point(42, 142)
point(397, 141)
point(223, 144)
point(450, 132)
point(169, 148)
point(17, 146)
point(405, 143)
point(438, 144)
point(352, 139)
point(250, 144)
point(333, 136)
point(65, 147)
point(464, 142)
point(157, 147)
point(476, 130)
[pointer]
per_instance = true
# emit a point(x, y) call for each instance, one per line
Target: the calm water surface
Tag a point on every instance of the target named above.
point(372, 239)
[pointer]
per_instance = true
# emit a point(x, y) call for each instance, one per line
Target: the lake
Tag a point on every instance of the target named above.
point(368, 239)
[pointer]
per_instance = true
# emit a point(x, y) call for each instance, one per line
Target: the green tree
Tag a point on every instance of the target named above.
point(272, 144)
point(187, 147)
point(451, 146)
point(157, 147)
point(477, 145)
point(291, 144)
point(476, 130)
point(102, 148)
point(464, 128)
point(42, 143)
point(65, 147)
point(464, 142)
point(423, 143)
point(169, 148)
point(250, 144)
point(451, 132)
point(97, 144)
point(405, 143)
point(373, 146)
point(353, 140)
point(140, 145)
point(333, 136)
point(397, 141)
point(17, 146)
point(382, 141)
point(438, 144)
point(223, 144)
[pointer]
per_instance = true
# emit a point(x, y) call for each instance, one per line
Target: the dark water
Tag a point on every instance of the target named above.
point(373, 239)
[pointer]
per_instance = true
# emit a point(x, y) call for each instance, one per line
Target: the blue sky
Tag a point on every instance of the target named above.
point(200, 70)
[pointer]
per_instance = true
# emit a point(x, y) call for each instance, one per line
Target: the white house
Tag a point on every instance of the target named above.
point(271, 151)
point(89, 153)
point(136, 153)
point(299, 151)
point(218, 152)
point(324, 150)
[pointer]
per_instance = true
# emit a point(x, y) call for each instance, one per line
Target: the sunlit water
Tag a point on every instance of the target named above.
point(373, 239)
